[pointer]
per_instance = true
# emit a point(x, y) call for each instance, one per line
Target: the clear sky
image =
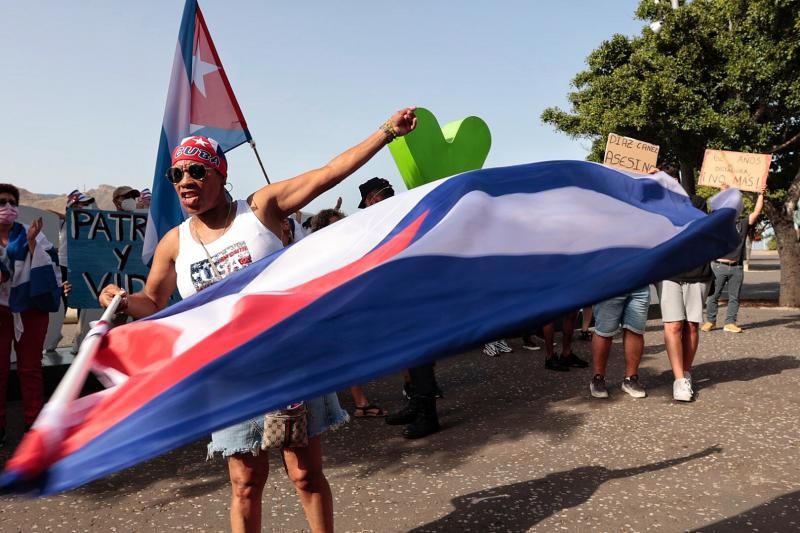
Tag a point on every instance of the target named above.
point(84, 83)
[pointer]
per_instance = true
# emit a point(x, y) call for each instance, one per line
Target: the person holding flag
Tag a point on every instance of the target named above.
point(222, 236)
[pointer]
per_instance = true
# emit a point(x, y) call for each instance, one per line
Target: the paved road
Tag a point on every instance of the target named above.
point(522, 449)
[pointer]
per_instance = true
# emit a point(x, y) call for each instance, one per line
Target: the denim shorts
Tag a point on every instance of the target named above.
point(324, 413)
point(628, 310)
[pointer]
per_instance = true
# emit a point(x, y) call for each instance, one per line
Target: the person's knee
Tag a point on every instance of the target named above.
point(673, 328)
point(248, 483)
point(307, 480)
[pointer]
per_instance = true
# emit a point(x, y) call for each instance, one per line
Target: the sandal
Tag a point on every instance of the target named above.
point(369, 411)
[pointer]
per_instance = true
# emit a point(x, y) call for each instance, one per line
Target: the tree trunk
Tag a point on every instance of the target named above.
point(788, 253)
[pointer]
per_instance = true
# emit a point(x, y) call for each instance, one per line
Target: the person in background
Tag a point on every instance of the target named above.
point(681, 300)
point(144, 199)
point(628, 311)
point(363, 407)
point(30, 287)
point(374, 190)
point(586, 320)
point(75, 200)
point(419, 416)
point(567, 359)
point(729, 271)
point(125, 198)
point(222, 236)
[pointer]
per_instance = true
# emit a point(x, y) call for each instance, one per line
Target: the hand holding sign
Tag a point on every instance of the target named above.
point(431, 152)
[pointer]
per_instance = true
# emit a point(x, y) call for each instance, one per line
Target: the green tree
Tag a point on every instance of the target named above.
point(717, 74)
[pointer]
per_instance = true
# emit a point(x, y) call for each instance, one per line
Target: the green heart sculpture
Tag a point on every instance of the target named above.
point(429, 152)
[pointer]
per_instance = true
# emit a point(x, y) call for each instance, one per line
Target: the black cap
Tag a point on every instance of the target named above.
point(372, 185)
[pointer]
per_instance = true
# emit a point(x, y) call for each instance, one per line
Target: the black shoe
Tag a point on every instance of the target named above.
point(573, 361)
point(2, 437)
point(439, 391)
point(405, 415)
point(426, 422)
point(408, 390)
point(553, 363)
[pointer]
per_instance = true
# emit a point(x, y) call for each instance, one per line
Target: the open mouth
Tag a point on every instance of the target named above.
point(189, 198)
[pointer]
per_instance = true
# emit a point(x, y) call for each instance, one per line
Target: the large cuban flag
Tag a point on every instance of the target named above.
point(426, 274)
point(200, 101)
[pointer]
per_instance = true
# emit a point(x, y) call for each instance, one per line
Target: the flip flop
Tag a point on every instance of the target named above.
point(369, 411)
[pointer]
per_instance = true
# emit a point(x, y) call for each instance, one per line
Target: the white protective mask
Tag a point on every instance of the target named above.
point(128, 204)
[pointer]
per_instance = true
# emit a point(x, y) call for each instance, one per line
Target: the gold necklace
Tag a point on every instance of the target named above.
point(229, 223)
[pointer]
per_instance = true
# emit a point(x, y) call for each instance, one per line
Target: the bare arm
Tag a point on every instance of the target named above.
point(757, 208)
point(160, 284)
point(275, 202)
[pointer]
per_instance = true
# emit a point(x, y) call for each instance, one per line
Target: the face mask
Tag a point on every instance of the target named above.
point(8, 214)
point(128, 204)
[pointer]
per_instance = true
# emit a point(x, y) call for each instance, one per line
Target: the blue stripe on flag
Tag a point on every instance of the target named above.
point(186, 34)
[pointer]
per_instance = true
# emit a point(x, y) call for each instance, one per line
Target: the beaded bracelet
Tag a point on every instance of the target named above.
point(388, 129)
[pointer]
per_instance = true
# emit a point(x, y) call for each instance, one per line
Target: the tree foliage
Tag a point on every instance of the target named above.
point(717, 74)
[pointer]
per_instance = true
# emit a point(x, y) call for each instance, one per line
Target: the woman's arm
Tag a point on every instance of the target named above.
point(275, 202)
point(160, 284)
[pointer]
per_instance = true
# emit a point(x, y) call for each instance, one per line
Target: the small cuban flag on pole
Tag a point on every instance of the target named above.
point(200, 101)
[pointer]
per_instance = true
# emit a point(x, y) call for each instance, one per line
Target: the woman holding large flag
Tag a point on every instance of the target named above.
point(220, 237)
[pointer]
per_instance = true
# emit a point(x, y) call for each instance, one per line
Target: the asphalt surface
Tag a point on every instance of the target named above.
point(521, 449)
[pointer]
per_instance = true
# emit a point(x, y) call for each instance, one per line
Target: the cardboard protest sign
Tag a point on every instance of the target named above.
point(746, 172)
point(630, 154)
point(104, 247)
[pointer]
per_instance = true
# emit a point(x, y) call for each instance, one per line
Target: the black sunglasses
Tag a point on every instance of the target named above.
point(196, 171)
point(3, 202)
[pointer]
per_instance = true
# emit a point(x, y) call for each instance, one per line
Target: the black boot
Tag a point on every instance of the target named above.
point(406, 415)
point(426, 421)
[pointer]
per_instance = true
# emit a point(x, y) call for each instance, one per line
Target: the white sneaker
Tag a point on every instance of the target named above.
point(491, 350)
point(682, 390)
point(688, 375)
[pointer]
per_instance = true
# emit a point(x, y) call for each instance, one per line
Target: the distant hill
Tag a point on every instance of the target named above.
point(58, 202)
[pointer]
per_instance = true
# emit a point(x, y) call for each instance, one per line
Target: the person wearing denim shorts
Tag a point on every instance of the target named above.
point(219, 237)
point(628, 311)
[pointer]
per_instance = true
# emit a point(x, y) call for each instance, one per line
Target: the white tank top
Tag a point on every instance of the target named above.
point(246, 241)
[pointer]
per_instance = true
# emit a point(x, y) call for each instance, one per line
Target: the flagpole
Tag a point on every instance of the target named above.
point(253, 146)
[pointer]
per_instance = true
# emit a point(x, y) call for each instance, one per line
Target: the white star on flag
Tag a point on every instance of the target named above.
point(199, 69)
point(200, 141)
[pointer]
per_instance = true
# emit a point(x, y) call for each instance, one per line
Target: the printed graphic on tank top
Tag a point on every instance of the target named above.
point(226, 262)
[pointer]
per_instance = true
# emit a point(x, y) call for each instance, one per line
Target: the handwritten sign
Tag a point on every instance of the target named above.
point(630, 154)
point(746, 172)
point(104, 247)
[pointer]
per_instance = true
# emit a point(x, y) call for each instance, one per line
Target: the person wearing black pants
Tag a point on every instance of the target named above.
point(419, 416)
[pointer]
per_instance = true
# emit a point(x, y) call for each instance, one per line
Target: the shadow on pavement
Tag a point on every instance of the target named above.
point(706, 375)
point(779, 514)
point(791, 320)
point(520, 506)
point(482, 404)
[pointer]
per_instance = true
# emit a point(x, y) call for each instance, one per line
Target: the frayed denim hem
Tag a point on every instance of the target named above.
point(338, 422)
point(227, 452)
